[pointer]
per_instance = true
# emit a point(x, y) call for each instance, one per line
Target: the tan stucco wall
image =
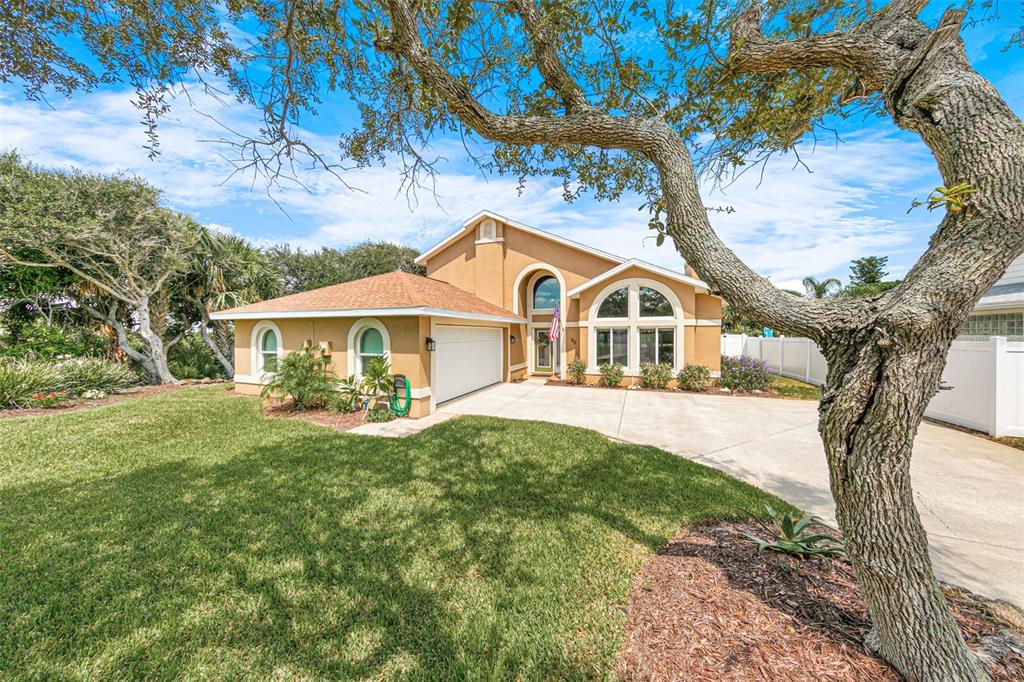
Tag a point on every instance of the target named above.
point(708, 307)
point(489, 267)
point(408, 349)
point(708, 347)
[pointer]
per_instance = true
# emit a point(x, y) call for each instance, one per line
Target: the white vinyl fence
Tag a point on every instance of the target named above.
point(983, 382)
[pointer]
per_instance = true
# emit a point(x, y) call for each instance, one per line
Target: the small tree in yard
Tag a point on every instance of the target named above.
point(565, 89)
point(111, 233)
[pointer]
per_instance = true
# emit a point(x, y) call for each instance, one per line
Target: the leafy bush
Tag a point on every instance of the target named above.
point(21, 379)
point(790, 536)
point(577, 371)
point(745, 374)
point(349, 396)
point(50, 342)
point(303, 377)
point(694, 378)
point(381, 413)
point(377, 381)
point(191, 358)
point(611, 375)
point(655, 375)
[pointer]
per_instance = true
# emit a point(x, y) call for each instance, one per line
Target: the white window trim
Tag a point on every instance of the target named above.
point(634, 322)
point(256, 347)
point(537, 270)
point(352, 349)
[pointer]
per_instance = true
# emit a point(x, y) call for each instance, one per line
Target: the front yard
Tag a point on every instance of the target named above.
point(184, 535)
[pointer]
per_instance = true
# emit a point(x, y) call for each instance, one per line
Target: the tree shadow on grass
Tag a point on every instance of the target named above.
point(478, 548)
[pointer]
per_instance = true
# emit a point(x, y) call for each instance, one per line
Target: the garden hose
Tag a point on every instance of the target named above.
point(401, 381)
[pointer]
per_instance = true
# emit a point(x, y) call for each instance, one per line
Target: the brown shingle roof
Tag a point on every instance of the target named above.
point(390, 290)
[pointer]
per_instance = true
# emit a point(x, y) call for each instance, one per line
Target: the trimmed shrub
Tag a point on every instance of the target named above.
point(745, 374)
point(694, 378)
point(611, 375)
point(303, 377)
point(22, 379)
point(577, 371)
point(654, 375)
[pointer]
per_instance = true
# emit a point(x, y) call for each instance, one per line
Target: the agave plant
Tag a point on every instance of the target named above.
point(791, 536)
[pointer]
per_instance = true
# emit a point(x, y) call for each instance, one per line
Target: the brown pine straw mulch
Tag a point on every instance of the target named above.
point(709, 606)
point(340, 421)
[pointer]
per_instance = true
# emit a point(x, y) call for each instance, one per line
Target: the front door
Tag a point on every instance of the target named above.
point(543, 353)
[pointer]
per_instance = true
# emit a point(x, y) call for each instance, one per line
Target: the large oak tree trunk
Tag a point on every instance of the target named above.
point(868, 424)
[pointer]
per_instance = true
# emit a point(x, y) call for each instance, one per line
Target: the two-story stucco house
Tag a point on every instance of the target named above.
point(483, 315)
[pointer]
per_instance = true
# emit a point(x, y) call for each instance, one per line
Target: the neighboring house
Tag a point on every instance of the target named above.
point(483, 315)
point(1000, 312)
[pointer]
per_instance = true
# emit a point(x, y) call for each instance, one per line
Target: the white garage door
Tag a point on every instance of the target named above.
point(467, 358)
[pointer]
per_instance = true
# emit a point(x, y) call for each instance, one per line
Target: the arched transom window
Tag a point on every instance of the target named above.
point(653, 303)
point(615, 305)
point(546, 293)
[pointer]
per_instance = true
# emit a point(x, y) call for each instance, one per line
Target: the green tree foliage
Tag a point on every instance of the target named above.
point(301, 270)
point(867, 290)
point(224, 271)
point(112, 234)
point(868, 270)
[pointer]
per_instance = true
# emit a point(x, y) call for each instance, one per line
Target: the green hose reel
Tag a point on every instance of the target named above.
point(401, 383)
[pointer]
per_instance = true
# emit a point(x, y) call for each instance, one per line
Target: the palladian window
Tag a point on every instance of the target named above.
point(616, 304)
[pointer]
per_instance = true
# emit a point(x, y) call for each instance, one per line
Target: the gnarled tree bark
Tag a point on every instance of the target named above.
point(885, 354)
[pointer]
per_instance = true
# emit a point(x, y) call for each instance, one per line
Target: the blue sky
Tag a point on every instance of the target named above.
point(791, 224)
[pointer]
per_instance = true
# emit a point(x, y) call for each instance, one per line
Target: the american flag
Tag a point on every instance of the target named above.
point(554, 332)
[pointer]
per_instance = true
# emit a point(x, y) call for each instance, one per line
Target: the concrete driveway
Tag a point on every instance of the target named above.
point(969, 490)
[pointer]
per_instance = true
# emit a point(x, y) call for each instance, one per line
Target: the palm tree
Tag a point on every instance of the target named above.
point(227, 271)
point(822, 289)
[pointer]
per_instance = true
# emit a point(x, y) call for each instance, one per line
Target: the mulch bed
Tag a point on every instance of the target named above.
point(340, 421)
point(119, 396)
point(709, 606)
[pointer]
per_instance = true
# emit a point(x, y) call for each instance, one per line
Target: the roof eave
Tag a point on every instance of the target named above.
point(700, 285)
point(410, 311)
point(423, 257)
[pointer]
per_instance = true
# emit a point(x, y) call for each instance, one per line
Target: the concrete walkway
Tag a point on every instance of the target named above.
point(969, 490)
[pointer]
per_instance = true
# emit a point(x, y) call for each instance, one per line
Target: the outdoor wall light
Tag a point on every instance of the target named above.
point(431, 344)
point(512, 340)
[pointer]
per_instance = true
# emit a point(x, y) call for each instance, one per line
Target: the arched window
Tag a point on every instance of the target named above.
point(616, 304)
point(268, 351)
point(371, 345)
point(654, 304)
point(546, 293)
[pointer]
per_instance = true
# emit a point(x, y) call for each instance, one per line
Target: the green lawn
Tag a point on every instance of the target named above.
point(185, 536)
point(792, 388)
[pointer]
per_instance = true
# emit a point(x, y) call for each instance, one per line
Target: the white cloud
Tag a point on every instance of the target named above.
point(790, 225)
